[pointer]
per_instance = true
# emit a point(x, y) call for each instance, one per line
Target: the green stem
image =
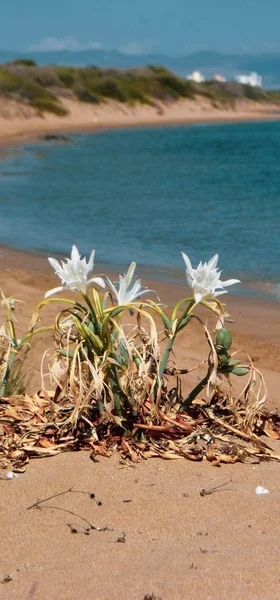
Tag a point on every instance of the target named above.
point(30, 334)
point(162, 365)
point(186, 312)
point(165, 357)
point(179, 304)
point(198, 388)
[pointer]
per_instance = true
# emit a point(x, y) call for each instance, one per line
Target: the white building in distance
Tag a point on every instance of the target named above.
point(220, 78)
point(252, 79)
point(196, 76)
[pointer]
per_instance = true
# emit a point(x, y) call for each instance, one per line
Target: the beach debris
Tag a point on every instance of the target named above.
point(55, 137)
point(261, 490)
point(75, 529)
point(217, 488)
point(205, 551)
point(70, 490)
point(11, 475)
point(7, 578)
point(121, 539)
point(40, 504)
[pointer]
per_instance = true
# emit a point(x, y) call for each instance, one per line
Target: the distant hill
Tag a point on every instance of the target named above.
point(210, 63)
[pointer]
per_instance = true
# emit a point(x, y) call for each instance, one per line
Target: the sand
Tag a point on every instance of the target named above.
point(22, 122)
point(164, 539)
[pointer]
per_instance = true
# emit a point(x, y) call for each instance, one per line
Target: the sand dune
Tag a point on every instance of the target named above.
point(19, 120)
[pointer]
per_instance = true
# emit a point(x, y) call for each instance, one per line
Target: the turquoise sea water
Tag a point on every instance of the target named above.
point(148, 194)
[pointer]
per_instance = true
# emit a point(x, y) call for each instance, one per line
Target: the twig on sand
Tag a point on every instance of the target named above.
point(39, 504)
point(70, 512)
point(217, 488)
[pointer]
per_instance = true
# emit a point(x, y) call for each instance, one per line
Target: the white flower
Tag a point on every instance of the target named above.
point(74, 273)
point(205, 280)
point(127, 290)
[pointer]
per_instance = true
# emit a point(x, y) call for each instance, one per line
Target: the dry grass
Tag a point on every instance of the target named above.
point(118, 390)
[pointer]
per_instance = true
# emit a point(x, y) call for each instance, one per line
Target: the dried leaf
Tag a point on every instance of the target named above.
point(271, 431)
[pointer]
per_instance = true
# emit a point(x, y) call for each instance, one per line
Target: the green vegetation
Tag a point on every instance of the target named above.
point(134, 85)
point(20, 84)
point(114, 384)
point(28, 62)
point(43, 87)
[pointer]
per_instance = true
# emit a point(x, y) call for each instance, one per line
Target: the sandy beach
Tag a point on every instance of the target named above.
point(164, 540)
point(19, 122)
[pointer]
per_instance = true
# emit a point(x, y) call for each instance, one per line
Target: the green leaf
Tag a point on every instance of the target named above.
point(183, 323)
point(88, 336)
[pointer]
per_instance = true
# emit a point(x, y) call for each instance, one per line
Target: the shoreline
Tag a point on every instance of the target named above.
point(33, 269)
point(85, 118)
point(255, 324)
point(35, 262)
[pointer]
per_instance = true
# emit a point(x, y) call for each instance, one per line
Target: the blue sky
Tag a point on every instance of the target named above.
point(134, 26)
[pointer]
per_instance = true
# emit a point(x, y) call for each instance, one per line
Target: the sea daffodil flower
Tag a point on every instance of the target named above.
point(205, 280)
point(74, 273)
point(127, 290)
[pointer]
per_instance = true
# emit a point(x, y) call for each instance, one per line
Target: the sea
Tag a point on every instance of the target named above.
point(147, 194)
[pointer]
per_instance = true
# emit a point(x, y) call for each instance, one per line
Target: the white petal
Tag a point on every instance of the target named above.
point(112, 286)
point(230, 282)
point(198, 297)
point(91, 260)
point(220, 293)
point(218, 285)
point(136, 289)
point(98, 281)
point(130, 273)
point(199, 287)
point(187, 263)
point(55, 264)
point(75, 255)
point(213, 261)
point(122, 290)
point(189, 279)
point(144, 291)
point(53, 291)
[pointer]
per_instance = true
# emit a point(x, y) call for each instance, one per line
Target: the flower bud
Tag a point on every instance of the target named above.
point(223, 338)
